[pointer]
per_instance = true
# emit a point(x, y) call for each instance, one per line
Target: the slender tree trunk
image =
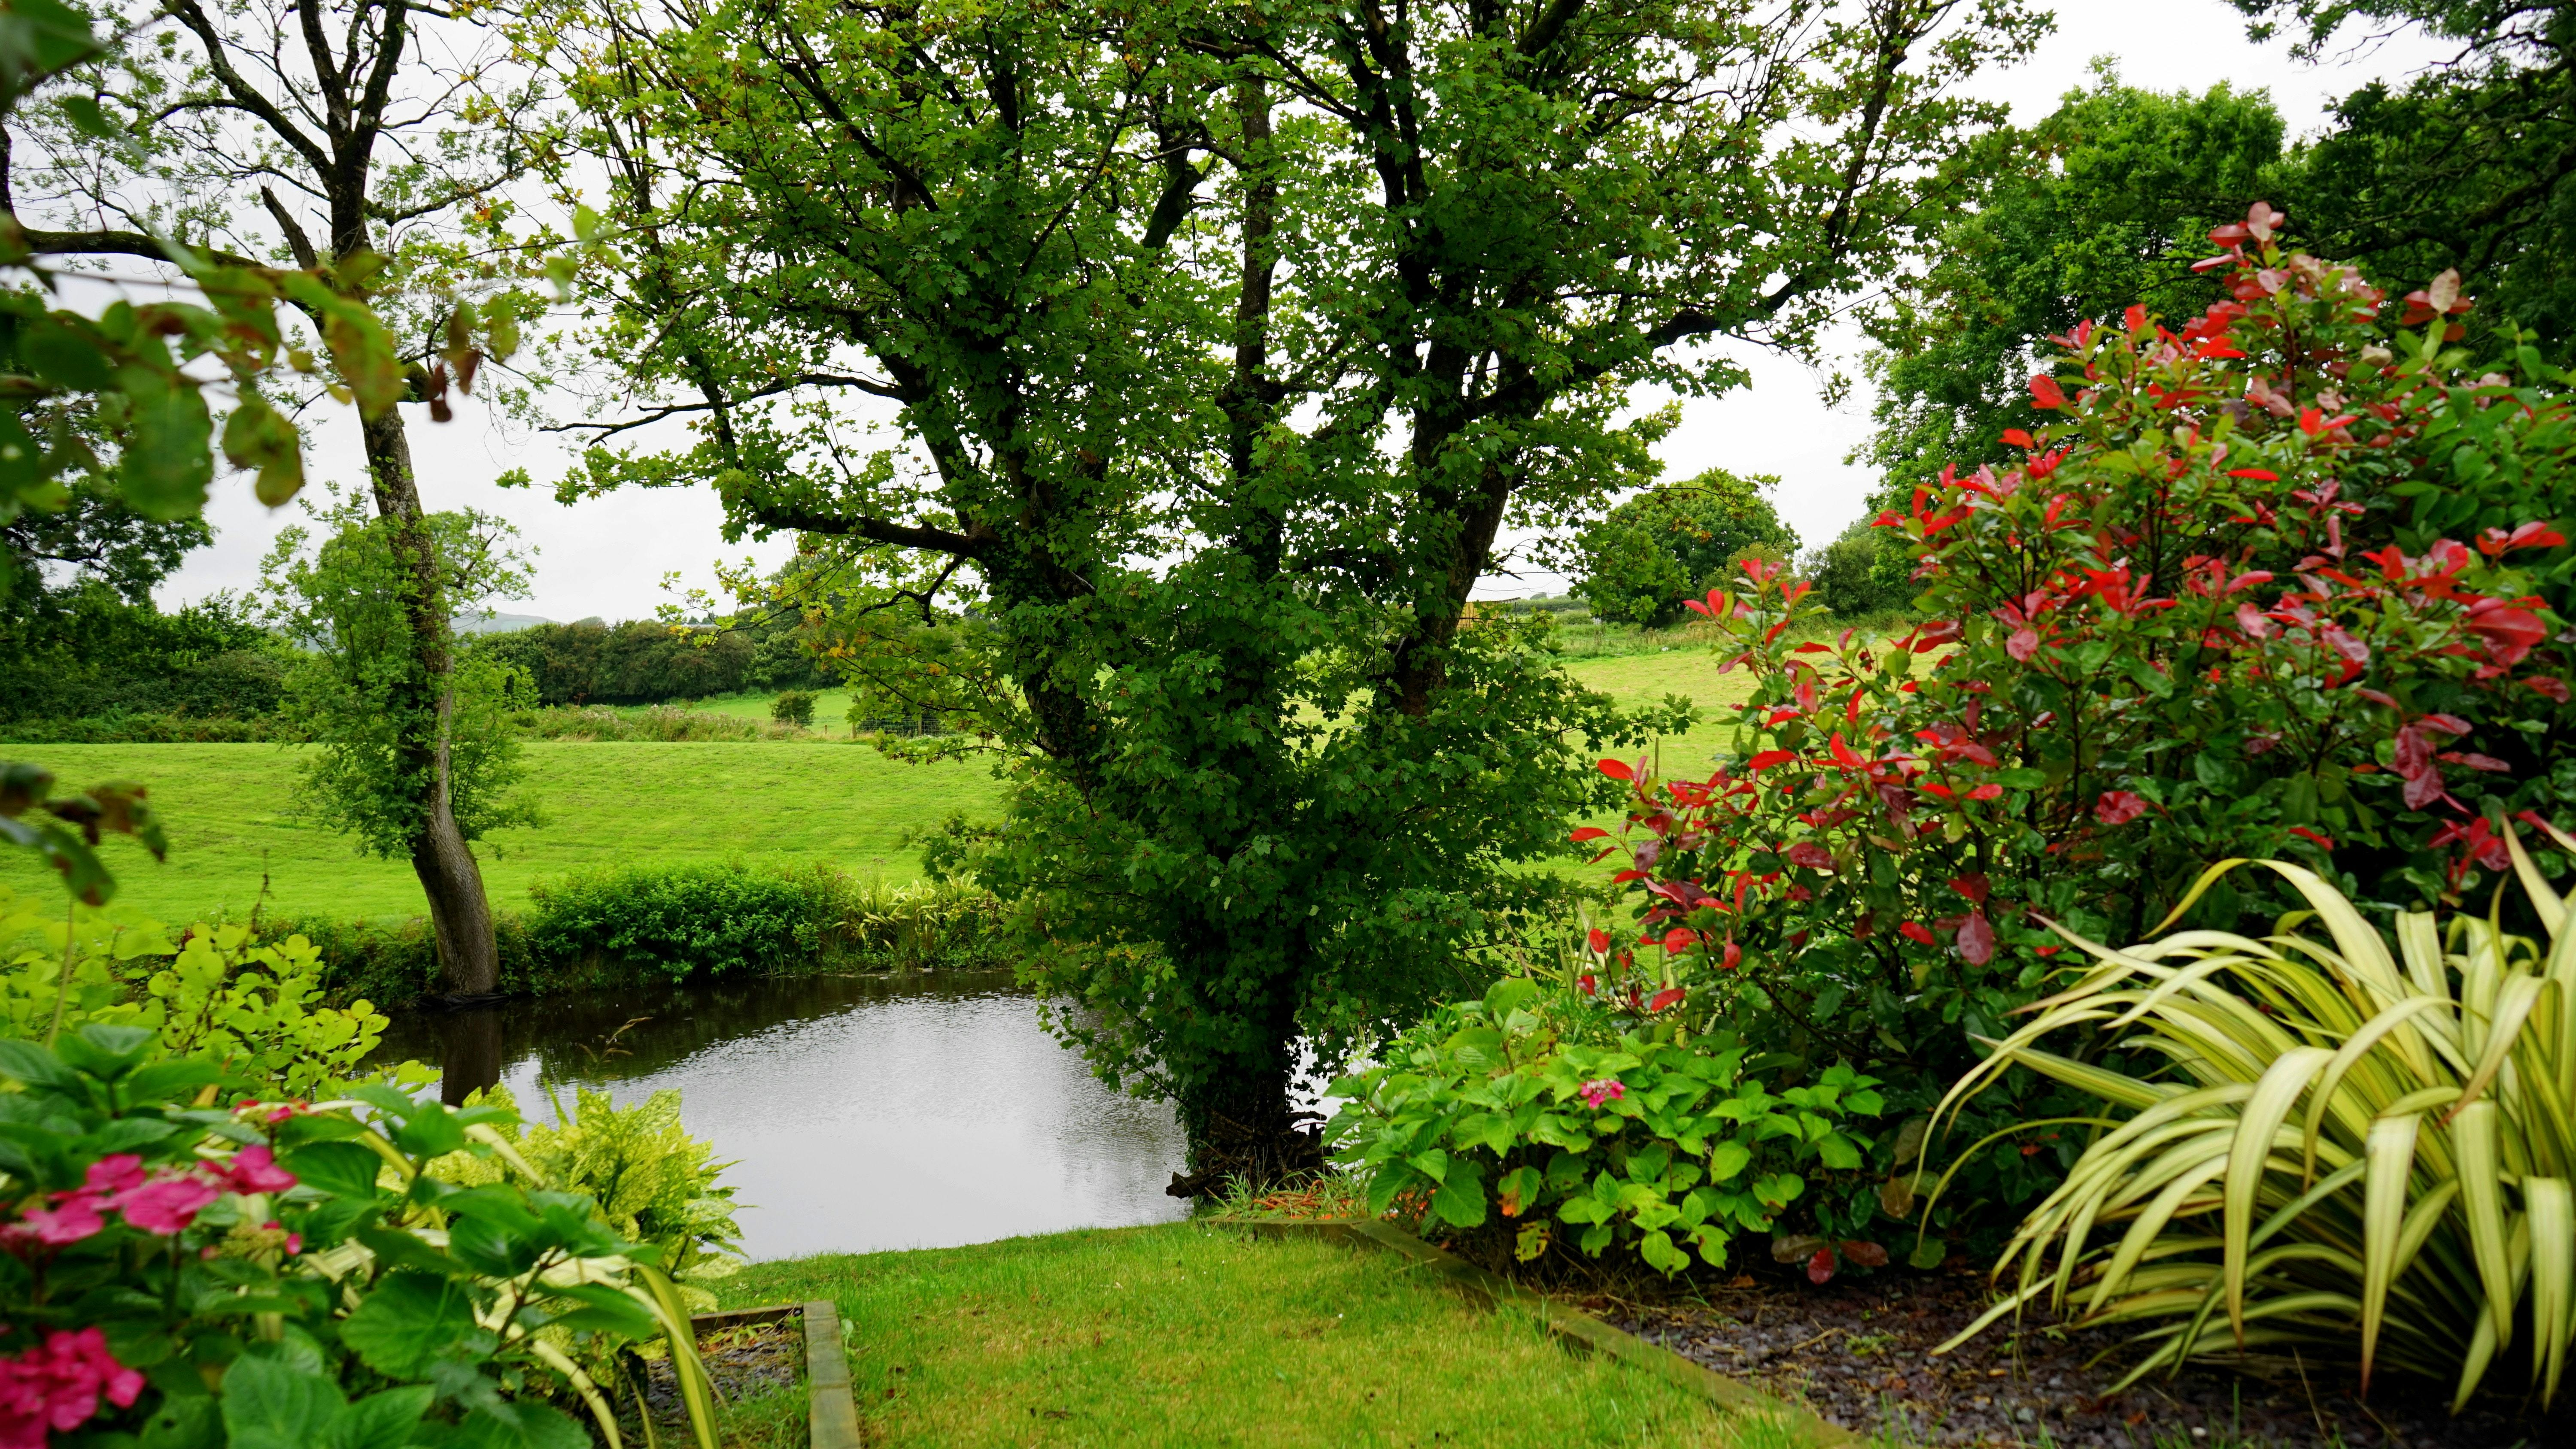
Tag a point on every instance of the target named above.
point(459, 914)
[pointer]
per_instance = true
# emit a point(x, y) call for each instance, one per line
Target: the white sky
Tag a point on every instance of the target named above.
point(608, 557)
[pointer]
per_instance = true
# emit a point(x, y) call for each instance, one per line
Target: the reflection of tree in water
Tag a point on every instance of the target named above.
point(614, 1034)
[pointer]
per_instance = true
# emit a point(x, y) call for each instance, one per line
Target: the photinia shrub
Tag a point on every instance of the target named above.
point(1540, 1118)
point(2210, 614)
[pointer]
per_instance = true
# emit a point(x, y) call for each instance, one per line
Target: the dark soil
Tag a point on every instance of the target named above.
point(1858, 1351)
point(743, 1360)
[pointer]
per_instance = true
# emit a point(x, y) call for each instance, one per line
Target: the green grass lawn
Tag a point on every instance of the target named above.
point(1201, 1336)
point(617, 804)
point(225, 807)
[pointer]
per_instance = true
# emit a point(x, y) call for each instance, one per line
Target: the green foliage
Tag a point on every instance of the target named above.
point(661, 724)
point(1600, 1126)
point(219, 993)
point(2343, 1149)
point(1675, 543)
point(358, 691)
point(85, 654)
point(1849, 578)
point(2101, 204)
point(637, 662)
point(97, 538)
point(654, 1183)
point(2465, 164)
point(691, 921)
point(1216, 527)
point(263, 1274)
point(794, 706)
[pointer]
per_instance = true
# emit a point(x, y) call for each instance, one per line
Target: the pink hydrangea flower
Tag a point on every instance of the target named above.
point(1604, 1089)
point(55, 1388)
point(167, 1205)
point(115, 1173)
point(255, 1169)
point(68, 1221)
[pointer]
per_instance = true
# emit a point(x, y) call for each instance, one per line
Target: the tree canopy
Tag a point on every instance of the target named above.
point(1644, 557)
point(1219, 344)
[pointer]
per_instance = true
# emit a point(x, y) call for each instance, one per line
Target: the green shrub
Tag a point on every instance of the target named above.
point(653, 1182)
point(1575, 1116)
point(689, 921)
point(150, 729)
point(2345, 1149)
point(794, 706)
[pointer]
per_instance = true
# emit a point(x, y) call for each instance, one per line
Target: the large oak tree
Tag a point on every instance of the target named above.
point(1219, 344)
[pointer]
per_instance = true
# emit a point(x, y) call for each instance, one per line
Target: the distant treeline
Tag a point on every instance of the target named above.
point(642, 662)
point(88, 654)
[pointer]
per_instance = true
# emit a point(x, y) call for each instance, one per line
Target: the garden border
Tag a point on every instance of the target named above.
point(832, 1415)
point(1581, 1329)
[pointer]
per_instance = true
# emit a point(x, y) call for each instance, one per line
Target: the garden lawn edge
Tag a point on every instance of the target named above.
point(1580, 1329)
point(831, 1412)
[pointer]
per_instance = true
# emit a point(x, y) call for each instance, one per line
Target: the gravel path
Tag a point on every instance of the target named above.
point(1857, 1350)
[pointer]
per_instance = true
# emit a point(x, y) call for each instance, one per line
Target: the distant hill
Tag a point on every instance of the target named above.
point(498, 623)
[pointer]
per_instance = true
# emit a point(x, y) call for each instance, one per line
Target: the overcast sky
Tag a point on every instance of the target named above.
point(609, 557)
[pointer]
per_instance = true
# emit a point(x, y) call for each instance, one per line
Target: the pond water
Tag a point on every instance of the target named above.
point(863, 1112)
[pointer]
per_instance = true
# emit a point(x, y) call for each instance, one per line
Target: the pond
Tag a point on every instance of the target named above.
point(863, 1112)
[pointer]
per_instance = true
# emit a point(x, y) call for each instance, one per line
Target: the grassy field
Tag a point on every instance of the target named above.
point(225, 807)
point(1200, 1336)
point(614, 804)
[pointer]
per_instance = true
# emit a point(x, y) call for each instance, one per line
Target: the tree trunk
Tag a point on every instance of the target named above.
point(459, 914)
point(1239, 1118)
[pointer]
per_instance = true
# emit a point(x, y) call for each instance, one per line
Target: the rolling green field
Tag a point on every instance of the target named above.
point(226, 808)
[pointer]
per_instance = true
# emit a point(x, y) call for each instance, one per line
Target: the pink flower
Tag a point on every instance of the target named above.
point(294, 1241)
point(1605, 1089)
point(254, 1169)
point(56, 1387)
point(168, 1205)
point(115, 1173)
point(68, 1221)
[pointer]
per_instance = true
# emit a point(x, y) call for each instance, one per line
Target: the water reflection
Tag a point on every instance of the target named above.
point(864, 1113)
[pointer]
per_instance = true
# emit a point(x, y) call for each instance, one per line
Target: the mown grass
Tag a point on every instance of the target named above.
point(622, 804)
point(1199, 1335)
point(606, 805)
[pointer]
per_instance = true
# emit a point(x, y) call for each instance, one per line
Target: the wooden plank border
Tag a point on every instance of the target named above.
point(1580, 1329)
point(832, 1415)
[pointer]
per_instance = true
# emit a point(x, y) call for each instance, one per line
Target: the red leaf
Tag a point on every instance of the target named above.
point(1671, 996)
point(1589, 832)
point(2550, 685)
point(2023, 644)
point(2045, 392)
point(2323, 842)
point(2119, 807)
point(1734, 956)
point(1625, 876)
point(1974, 887)
point(1618, 770)
point(2135, 319)
point(1587, 983)
point(2259, 475)
point(1843, 753)
point(1679, 939)
point(2020, 439)
point(1598, 939)
point(1872, 1255)
point(1977, 939)
point(1916, 932)
point(1820, 1268)
point(1810, 855)
point(1985, 792)
point(1766, 759)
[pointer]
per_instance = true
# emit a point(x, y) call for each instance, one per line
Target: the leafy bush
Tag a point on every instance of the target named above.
point(1655, 550)
point(689, 921)
point(794, 706)
point(216, 993)
point(1576, 1117)
point(2346, 1148)
point(637, 662)
point(275, 1274)
point(2201, 620)
point(653, 1182)
point(151, 729)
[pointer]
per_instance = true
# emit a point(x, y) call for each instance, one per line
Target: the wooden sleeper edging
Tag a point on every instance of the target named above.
point(832, 1415)
point(1581, 1329)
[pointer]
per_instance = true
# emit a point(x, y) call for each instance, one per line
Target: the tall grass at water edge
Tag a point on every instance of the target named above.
point(676, 924)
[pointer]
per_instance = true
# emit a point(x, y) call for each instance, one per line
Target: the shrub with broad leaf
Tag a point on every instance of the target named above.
point(1543, 1115)
point(2349, 1146)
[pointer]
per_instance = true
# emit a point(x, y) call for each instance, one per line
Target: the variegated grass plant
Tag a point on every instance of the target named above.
point(2348, 1148)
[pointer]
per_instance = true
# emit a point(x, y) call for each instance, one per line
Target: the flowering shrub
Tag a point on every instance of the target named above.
point(2210, 615)
point(205, 1275)
point(1545, 1115)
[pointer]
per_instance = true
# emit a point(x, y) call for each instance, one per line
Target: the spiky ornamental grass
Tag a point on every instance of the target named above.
point(2348, 1145)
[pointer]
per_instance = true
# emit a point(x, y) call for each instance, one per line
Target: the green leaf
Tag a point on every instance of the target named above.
point(169, 452)
point(268, 1405)
point(519, 1424)
point(1928, 1253)
point(1460, 1201)
point(67, 352)
point(24, 1061)
point(411, 1321)
point(380, 1421)
point(1838, 1152)
point(342, 1169)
